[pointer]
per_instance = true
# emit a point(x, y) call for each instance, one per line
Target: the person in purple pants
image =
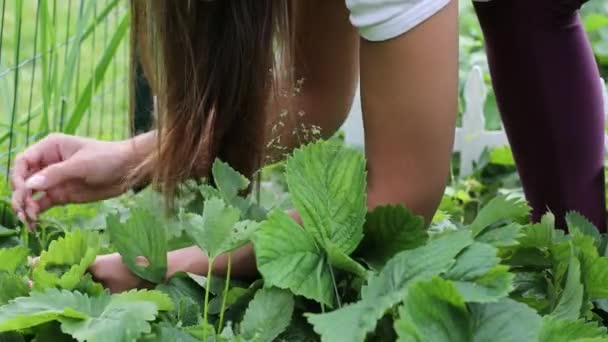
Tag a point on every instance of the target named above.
point(549, 95)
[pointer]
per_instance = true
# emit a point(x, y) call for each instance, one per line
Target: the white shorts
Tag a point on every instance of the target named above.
point(379, 20)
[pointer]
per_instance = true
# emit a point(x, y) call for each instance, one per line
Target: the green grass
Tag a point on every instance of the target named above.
point(87, 85)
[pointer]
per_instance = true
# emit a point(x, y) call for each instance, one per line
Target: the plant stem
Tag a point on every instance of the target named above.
point(205, 314)
point(333, 280)
point(225, 295)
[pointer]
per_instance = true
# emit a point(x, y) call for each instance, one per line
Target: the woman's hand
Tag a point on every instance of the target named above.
point(114, 274)
point(67, 169)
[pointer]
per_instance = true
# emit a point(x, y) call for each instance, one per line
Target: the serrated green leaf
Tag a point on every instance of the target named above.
point(505, 236)
point(594, 269)
point(268, 315)
point(168, 333)
point(327, 183)
point(389, 230)
point(388, 288)
point(161, 300)
point(88, 286)
point(595, 278)
point(66, 261)
point(12, 258)
point(504, 321)
point(288, 258)
point(433, 311)
point(475, 261)
point(360, 317)
point(118, 321)
point(228, 181)
point(42, 307)
point(12, 286)
point(498, 209)
point(187, 298)
point(341, 261)
point(218, 230)
point(427, 261)
point(215, 305)
point(104, 318)
point(555, 330)
point(478, 276)
point(142, 235)
point(578, 222)
point(541, 235)
point(571, 300)
point(490, 287)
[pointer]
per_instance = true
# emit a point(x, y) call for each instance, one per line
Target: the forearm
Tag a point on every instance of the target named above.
point(139, 147)
point(194, 260)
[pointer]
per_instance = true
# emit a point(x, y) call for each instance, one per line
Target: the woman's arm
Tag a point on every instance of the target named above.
point(409, 95)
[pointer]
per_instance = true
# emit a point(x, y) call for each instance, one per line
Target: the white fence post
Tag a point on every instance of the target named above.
point(472, 138)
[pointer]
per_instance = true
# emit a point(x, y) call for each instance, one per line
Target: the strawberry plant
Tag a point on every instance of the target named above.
point(343, 274)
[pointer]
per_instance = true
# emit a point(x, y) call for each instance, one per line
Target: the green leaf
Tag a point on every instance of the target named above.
point(571, 300)
point(168, 333)
point(142, 235)
point(228, 181)
point(595, 278)
point(361, 318)
point(475, 261)
point(288, 258)
point(66, 261)
point(490, 287)
point(577, 222)
point(498, 209)
point(12, 258)
point(161, 300)
point(433, 311)
point(388, 288)
point(218, 230)
point(104, 318)
point(424, 262)
point(555, 330)
point(215, 305)
point(268, 315)
point(541, 235)
point(389, 230)
point(12, 287)
point(327, 183)
point(478, 275)
point(504, 321)
point(505, 236)
point(42, 307)
point(86, 97)
point(341, 261)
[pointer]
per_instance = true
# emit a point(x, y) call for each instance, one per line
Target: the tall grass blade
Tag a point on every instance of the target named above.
point(85, 98)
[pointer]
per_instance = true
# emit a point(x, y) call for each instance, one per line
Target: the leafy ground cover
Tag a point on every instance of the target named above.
point(480, 272)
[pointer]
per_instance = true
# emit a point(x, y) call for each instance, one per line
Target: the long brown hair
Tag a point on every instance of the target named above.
point(210, 64)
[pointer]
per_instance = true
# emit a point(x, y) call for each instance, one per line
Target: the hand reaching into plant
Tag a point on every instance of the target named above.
point(68, 169)
point(110, 270)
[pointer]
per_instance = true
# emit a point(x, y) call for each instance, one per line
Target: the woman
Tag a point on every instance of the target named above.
point(208, 63)
point(547, 88)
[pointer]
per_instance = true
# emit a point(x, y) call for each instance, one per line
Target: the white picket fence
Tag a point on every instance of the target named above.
point(472, 138)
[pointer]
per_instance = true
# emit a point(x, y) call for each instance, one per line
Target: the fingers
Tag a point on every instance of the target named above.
point(28, 162)
point(55, 174)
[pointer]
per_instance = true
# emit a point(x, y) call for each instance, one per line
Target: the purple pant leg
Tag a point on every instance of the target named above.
point(547, 88)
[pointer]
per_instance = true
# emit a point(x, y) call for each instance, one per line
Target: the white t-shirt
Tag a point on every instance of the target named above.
point(379, 20)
